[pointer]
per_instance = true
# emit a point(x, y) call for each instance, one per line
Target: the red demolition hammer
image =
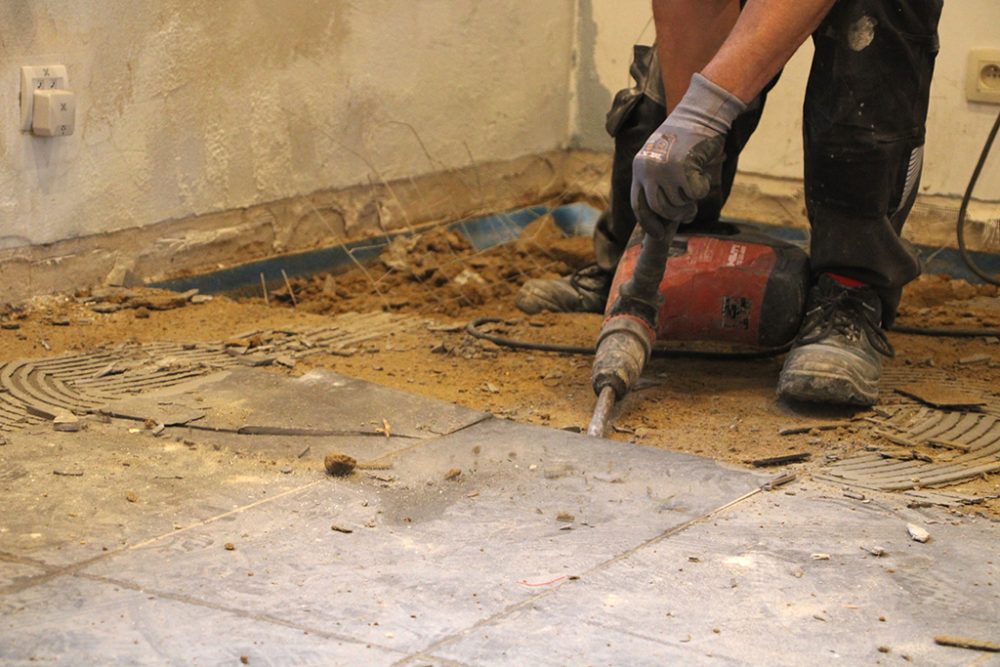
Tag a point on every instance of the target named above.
point(727, 283)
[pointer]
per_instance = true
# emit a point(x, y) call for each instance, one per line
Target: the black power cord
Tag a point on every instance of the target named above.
point(474, 330)
point(966, 257)
point(960, 226)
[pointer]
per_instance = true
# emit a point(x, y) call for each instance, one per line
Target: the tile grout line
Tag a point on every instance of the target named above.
point(427, 652)
point(54, 571)
point(236, 611)
point(210, 520)
point(426, 441)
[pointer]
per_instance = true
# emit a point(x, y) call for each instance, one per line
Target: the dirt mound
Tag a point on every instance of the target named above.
point(939, 300)
point(440, 272)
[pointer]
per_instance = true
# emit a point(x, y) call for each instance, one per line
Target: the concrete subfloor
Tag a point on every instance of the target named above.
point(461, 540)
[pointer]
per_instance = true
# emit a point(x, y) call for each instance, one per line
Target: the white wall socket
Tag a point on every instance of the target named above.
point(39, 77)
point(982, 82)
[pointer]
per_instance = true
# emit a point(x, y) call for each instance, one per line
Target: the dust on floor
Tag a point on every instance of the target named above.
point(725, 410)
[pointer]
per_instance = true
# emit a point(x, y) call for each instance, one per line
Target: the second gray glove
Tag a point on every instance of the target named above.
point(671, 169)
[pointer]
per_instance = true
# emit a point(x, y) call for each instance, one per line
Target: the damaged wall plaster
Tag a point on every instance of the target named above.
point(203, 243)
point(187, 107)
point(956, 129)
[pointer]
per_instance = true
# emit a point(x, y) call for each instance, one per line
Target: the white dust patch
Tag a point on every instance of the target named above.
point(862, 33)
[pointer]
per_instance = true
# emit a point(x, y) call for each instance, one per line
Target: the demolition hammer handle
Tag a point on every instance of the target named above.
point(649, 268)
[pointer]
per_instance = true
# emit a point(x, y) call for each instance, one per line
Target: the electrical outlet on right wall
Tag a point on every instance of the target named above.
point(983, 77)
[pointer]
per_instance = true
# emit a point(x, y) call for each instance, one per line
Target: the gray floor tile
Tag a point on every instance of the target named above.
point(746, 589)
point(441, 554)
point(118, 488)
point(15, 573)
point(84, 622)
point(254, 400)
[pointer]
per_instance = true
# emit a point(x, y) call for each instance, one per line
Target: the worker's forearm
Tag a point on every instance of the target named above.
point(766, 35)
point(688, 35)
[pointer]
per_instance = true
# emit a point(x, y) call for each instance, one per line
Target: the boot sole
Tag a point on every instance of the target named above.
point(826, 387)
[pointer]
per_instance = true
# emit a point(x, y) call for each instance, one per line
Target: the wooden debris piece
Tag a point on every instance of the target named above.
point(966, 642)
point(781, 460)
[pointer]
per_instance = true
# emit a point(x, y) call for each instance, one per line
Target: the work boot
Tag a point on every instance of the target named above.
point(583, 291)
point(836, 356)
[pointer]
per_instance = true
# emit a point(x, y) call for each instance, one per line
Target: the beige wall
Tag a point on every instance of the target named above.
point(188, 107)
point(191, 106)
point(956, 128)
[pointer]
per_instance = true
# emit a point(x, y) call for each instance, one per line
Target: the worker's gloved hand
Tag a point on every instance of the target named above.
point(671, 171)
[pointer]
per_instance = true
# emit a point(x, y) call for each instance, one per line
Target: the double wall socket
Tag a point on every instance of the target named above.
point(983, 77)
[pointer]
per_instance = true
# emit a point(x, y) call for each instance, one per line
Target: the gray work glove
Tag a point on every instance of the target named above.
point(670, 173)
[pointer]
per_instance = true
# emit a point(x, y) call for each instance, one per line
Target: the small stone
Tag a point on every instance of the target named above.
point(3, 441)
point(453, 474)
point(286, 471)
point(245, 659)
point(131, 496)
point(200, 298)
point(489, 388)
point(565, 517)
point(991, 340)
point(339, 465)
point(340, 529)
point(60, 322)
point(917, 533)
point(10, 326)
point(876, 551)
point(122, 274)
point(820, 556)
point(974, 359)
point(329, 286)
point(66, 422)
point(142, 313)
point(230, 546)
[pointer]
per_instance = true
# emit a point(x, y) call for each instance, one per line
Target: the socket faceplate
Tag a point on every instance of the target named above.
point(39, 77)
point(982, 82)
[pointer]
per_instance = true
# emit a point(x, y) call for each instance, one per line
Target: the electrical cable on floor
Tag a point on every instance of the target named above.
point(946, 332)
point(473, 329)
point(960, 225)
point(950, 332)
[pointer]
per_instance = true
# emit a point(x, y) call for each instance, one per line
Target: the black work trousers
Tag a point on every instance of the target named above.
point(863, 133)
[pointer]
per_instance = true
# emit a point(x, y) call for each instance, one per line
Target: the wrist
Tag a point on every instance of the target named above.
point(708, 104)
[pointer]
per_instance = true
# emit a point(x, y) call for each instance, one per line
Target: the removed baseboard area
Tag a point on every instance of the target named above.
point(171, 249)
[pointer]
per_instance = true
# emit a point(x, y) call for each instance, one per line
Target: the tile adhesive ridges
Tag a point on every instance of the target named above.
point(35, 391)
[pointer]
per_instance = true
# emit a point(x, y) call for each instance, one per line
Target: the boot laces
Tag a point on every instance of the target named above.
point(846, 313)
point(590, 278)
